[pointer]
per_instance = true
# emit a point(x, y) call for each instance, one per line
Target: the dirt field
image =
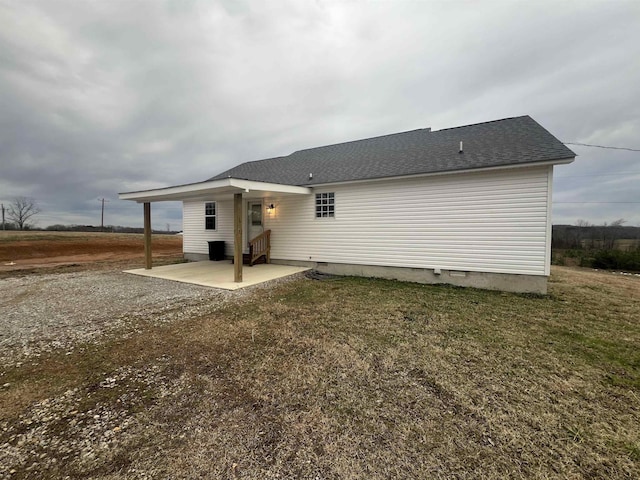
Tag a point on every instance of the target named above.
point(29, 251)
point(345, 378)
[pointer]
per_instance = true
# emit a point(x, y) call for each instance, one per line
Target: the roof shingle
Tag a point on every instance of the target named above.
point(511, 141)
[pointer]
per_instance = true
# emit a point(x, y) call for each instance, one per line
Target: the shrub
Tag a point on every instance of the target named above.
point(558, 261)
point(617, 260)
point(586, 261)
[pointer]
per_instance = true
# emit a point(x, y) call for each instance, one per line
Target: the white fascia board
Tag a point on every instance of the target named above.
point(212, 187)
point(269, 187)
point(452, 172)
point(175, 191)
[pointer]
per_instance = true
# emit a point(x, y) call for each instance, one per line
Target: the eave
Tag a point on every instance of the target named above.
point(561, 161)
point(214, 189)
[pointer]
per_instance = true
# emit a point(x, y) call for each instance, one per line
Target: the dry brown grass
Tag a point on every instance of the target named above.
point(355, 378)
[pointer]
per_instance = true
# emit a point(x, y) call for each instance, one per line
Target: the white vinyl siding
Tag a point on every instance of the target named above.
point(482, 222)
point(196, 236)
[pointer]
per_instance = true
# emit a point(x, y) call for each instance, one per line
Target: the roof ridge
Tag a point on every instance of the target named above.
point(483, 123)
point(260, 160)
point(521, 140)
point(428, 130)
point(330, 145)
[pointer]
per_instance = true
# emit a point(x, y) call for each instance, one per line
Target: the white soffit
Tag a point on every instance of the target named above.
point(226, 186)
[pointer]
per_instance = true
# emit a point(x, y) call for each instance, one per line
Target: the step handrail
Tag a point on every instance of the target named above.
point(259, 246)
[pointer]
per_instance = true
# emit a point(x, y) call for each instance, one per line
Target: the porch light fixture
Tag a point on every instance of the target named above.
point(271, 208)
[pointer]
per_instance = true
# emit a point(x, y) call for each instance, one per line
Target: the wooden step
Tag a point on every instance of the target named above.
point(246, 259)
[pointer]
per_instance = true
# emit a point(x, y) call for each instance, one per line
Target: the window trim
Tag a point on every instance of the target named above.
point(213, 216)
point(325, 205)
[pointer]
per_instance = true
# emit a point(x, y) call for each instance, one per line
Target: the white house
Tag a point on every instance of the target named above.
point(467, 206)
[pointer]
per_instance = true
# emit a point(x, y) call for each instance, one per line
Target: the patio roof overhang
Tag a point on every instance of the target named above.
point(211, 190)
point(226, 187)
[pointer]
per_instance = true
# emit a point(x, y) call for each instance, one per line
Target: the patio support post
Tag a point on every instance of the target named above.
point(147, 235)
point(237, 237)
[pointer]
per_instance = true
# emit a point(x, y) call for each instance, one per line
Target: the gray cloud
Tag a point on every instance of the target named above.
point(102, 97)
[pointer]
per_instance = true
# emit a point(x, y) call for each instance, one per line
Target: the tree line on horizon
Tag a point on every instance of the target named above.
point(107, 229)
point(84, 228)
point(18, 215)
point(585, 235)
point(610, 246)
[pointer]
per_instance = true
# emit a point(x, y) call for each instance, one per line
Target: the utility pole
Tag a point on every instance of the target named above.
point(3, 227)
point(102, 216)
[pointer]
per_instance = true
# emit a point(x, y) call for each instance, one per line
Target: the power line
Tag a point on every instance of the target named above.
point(602, 146)
point(597, 174)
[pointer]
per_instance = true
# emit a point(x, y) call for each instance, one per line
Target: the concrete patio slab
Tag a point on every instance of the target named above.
point(218, 274)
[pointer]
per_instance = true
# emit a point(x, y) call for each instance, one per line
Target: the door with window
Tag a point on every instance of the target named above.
point(254, 221)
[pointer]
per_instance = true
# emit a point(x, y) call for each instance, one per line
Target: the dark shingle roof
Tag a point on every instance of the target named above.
point(511, 141)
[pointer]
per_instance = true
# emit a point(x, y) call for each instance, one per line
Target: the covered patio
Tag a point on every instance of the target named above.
point(238, 189)
point(218, 274)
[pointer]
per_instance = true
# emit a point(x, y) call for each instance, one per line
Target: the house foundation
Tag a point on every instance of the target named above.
point(488, 281)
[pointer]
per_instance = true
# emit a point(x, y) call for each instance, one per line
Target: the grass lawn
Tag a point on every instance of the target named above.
point(355, 378)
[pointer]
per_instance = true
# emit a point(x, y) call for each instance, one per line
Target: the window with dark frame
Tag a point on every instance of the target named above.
point(210, 215)
point(325, 205)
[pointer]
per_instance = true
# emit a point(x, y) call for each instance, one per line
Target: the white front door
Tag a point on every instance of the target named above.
point(254, 221)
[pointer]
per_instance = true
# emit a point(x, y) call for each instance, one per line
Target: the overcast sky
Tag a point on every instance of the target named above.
point(103, 97)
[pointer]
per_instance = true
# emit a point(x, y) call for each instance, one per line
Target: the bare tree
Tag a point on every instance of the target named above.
point(21, 210)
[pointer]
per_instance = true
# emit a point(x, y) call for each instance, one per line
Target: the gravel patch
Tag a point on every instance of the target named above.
point(87, 427)
point(34, 444)
point(47, 312)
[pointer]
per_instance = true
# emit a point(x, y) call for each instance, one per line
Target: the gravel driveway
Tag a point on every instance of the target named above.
point(78, 430)
point(39, 313)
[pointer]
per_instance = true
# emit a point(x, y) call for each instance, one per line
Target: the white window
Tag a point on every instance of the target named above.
point(325, 205)
point(210, 215)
